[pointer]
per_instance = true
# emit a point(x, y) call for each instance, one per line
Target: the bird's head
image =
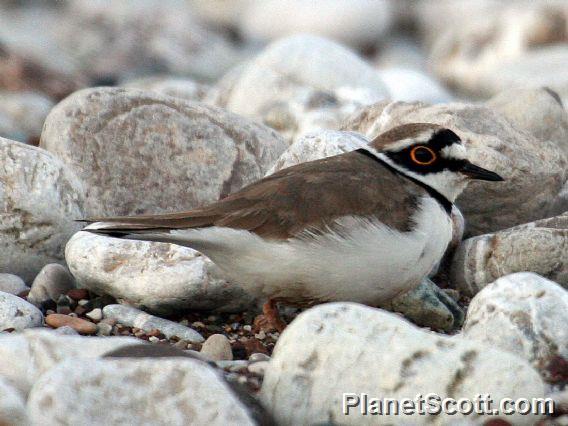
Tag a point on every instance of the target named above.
point(431, 154)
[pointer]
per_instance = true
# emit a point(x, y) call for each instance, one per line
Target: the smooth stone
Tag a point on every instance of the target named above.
point(133, 317)
point(136, 391)
point(52, 281)
point(257, 357)
point(16, 313)
point(80, 325)
point(40, 200)
point(357, 23)
point(217, 348)
point(162, 278)
point(540, 247)
point(12, 284)
point(12, 406)
point(521, 313)
point(26, 112)
point(534, 170)
point(96, 314)
point(27, 355)
point(429, 306)
point(183, 88)
point(155, 153)
point(327, 340)
point(410, 85)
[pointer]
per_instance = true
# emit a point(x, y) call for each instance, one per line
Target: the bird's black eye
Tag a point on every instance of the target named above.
point(422, 155)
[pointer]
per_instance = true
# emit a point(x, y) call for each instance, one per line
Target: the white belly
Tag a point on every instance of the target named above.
point(366, 262)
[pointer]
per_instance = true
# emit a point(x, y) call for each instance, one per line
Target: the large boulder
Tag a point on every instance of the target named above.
point(535, 170)
point(39, 200)
point(385, 357)
point(521, 313)
point(140, 152)
point(162, 278)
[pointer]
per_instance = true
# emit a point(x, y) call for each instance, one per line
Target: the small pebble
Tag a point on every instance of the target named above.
point(96, 314)
point(104, 329)
point(217, 348)
point(79, 294)
point(261, 335)
point(153, 339)
point(257, 357)
point(247, 328)
point(79, 325)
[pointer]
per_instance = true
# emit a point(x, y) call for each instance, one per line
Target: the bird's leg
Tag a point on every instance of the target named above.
point(270, 319)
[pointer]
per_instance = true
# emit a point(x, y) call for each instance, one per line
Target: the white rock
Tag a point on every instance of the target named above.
point(159, 277)
point(12, 284)
point(16, 313)
point(540, 247)
point(27, 355)
point(217, 348)
point(183, 88)
point(410, 85)
point(401, 52)
point(12, 406)
point(96, 314)
point(52, 281)
point(141, 152)
point(135, 391)
point(27, 112)
point(133, 317)
point(386, 357)
point(304, 61)
point(359, 23)
point(521, 313)
point(534, 170)
point(39, 200)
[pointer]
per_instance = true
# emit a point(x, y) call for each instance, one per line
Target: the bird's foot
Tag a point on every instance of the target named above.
point(270, 319)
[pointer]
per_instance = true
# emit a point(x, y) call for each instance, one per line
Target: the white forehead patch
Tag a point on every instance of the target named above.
point(455, 151)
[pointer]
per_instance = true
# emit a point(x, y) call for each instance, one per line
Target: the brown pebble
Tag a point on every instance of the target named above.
point(78, 293)
point(81, 326)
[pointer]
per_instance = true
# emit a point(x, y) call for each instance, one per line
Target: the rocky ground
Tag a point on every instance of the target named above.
point(152, 106)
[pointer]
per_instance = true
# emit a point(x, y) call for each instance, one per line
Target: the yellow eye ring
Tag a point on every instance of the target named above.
point(416, 152)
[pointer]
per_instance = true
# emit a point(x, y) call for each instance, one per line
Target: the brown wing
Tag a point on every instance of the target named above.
point(308, 195)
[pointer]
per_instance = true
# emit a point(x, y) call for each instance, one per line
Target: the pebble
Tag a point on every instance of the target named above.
point(257, 356)
point(104, 329)
point(80, 325)
point(96, 314)
point(133, 317)
point(18, 314)
point(53, 281)
point(12, 284)
point(217, 348)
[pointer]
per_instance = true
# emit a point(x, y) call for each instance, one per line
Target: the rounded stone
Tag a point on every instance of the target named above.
point(12, 284)
point(217, 348)
point(52, 281)
point(81, 326)
point(18, 314)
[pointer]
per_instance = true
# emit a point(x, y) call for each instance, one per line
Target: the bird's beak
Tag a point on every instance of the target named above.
point(475, 172)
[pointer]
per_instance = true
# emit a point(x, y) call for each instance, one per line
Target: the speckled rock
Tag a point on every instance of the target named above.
point(535, 171)
point(18, 314)
point(521, 313)
point(330, 339)
point(161, 278)
point(52, 281)
point(27, 355)
point(301, 83)
point(141, 152)
point(217, 348)
point(12, 406)
point(133, 317)
point(40, 198)
point(12, 284)
point(25, 112)
point(540, 247)
point(359, 23)
point(183, 88)
point(177, 391)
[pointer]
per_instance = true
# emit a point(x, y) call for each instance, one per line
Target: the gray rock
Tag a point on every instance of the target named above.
point(52, 281)
point(410, 85)
point(40, 198)
point(141, 152)
point(540, 247)
point(327, 340)
point(429, 306)
point(358, 23)
point(183, 88)
point(301, 83)
point(521, 313)
point(535, 171)
point(133, 317)
point(29, 354)
point(217, 348)
point(12, 406)
point(26, 111)
point(16, 313)
point(176, 391)
point(12, 284)
point(162, 278)
point(258, 368)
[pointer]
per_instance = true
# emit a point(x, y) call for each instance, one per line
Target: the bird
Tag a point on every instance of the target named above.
point(362, 226)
